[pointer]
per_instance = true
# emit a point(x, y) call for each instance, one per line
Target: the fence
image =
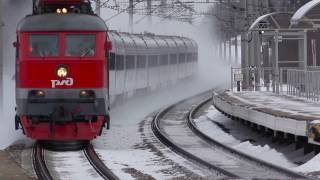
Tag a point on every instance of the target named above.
point(302, 83)
point(295, 82)
point(252, 79)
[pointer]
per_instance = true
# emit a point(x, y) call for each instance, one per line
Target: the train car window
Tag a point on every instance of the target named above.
point(119, 62)
point(153, 61)
point(130, 64)
point(141, 61)
point(164, 60)
point(173, 59)
point(182, 58)
point(112, 61)
point(43, 45)
point(189, 57)
point(80, 45)
point(195, 57)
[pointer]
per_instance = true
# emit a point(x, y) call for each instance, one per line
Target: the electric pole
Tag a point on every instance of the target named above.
point(149, 12)
point(98, 7)
point(131, 15)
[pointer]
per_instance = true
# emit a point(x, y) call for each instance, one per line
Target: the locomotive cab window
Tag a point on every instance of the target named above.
point(80, 45)
point(43, 45)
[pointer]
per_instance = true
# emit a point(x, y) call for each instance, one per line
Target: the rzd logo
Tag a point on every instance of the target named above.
point(64, 82)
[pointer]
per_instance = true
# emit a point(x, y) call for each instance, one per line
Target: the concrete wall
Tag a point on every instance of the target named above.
point(276, 123)
point(1, 55)
point(15, 10)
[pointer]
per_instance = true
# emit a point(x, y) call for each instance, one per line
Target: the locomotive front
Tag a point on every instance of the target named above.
point(62, 77)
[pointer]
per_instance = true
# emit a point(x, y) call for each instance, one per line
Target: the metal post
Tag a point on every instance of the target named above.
point(131, 15)
point(220, 50)
point(149, 12)
point(230, 51)
point(276, 79)
point(231, 79)
point(305, 50)
point(225, 50)
point(236, 49)
point(98, 7)
point(163, 7)
point(281, 80)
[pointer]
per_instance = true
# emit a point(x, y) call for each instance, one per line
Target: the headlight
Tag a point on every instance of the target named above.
point(62, 71)
point(36, 94)
point(64, 10)
point(87, 94)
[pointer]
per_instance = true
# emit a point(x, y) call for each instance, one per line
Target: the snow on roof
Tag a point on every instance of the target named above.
point(265, 16)
point(256, 22)
point(303, 11)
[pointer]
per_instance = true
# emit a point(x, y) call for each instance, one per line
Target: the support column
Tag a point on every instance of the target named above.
point(236, 49)
point(131, 15)
point(225, 50)
point(276, 78)
point(220, 50)
point(230, 51)
point(305, 51)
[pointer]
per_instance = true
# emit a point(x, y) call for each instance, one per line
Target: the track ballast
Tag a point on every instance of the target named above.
point(174, 127)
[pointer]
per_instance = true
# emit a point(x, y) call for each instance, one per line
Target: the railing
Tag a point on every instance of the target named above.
point(302, 83)
point(294, 82)
point(252, 79)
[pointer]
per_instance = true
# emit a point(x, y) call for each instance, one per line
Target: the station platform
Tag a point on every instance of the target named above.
point(9, 169)
point(280, 113)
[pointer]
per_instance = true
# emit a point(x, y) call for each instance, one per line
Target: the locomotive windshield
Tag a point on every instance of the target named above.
point(43, 45)
point(80, 45)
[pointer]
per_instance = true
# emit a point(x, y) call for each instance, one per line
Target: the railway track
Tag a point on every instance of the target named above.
point(39, 164)
point(98, 164)
point(43, 172)
point(174, 127)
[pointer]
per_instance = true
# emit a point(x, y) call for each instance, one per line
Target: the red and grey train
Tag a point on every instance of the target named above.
point(66, 70)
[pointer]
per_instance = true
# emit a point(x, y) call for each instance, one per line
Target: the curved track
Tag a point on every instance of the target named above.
point(174, 127)
point(98, 164)
point(39, 164)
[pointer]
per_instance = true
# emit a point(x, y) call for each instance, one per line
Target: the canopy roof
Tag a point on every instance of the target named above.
point(272, 21)
point(307, 13)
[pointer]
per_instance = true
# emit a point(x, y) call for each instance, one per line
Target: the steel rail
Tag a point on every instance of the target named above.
point(39, 164)
point(166, 140)
point(98, 164)
point(198, 132)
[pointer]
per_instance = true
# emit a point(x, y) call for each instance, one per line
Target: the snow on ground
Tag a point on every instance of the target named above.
point(285, 103)
point(70, 165)
point(264, 152)
point(311, 166)
point(123, 146)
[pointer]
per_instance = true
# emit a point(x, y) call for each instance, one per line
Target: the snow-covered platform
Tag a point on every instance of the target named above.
point(9, 169)
point(280, 113)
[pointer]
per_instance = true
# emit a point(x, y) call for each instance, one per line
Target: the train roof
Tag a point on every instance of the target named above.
point(128, 41)
point(62, 22)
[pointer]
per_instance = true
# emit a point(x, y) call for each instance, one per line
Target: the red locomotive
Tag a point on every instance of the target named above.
point(62, 72)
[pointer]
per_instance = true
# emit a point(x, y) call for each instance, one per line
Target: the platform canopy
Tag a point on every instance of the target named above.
point(272, 21)
point(308, 13)
point(279, 21)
